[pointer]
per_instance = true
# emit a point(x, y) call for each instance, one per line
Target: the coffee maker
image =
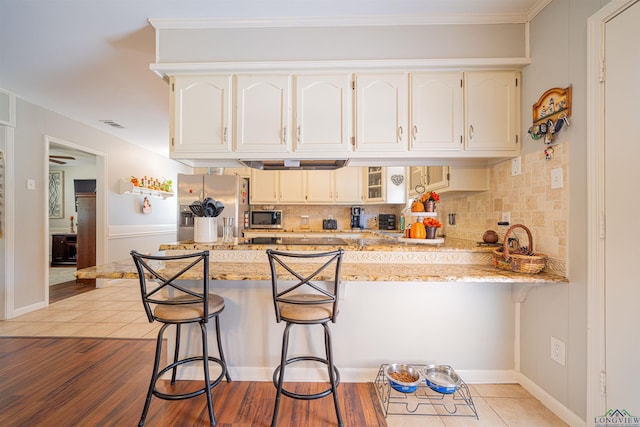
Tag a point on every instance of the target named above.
point(357, 214)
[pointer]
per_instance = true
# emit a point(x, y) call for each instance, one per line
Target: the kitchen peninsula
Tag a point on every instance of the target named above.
point(400, 303)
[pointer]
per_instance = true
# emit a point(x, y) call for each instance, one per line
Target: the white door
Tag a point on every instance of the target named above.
point(622, 204)
point(323, 111)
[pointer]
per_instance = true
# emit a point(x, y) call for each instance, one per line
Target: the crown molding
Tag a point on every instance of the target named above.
point(536, 9)
point(341, 21)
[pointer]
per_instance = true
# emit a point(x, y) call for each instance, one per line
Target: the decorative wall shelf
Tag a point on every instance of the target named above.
point(127, 187)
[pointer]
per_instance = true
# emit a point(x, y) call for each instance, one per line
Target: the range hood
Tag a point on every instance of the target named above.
point(283, 165)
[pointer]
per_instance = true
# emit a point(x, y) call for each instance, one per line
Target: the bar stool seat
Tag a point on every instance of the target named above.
point(312, 299)
point(168, 301)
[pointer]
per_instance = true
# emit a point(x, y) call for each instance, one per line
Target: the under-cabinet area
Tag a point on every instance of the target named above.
point(372, 115)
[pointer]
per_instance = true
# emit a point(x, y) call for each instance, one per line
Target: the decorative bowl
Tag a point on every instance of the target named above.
point(392, 372)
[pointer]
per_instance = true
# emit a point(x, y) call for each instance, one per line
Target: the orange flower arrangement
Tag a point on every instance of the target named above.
point(431, 222)
point(430, 196)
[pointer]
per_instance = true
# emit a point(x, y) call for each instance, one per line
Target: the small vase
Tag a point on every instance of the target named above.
point(429, 206)
point(431, 232)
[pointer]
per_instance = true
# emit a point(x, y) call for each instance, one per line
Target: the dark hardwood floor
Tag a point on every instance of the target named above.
point(61, 291)
point(103, 382)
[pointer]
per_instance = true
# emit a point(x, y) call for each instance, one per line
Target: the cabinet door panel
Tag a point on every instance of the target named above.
point(436, 111)
point(264, 186)
point(381, 111)
point(320, 186)
point(348, 185)
point(262, 118)
point(200, 120)
point(292, 186)
point(323, 109)
point(491, 110)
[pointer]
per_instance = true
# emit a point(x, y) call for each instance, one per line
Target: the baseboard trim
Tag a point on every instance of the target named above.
point(564, 413)
point(28, 309)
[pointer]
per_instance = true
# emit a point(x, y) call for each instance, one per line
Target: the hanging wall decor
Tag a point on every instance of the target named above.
point(56, 194)
point(551, 105)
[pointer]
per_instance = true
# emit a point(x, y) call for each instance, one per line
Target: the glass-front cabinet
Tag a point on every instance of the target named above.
point(374, 184)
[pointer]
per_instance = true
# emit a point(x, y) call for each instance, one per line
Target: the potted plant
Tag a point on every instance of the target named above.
point(431, 225)
point(429, 199)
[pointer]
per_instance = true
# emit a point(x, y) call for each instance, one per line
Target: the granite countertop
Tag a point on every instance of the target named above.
point(370, 257)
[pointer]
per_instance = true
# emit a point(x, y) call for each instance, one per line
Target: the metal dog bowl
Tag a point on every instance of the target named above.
point(403, 386)
point(442, 378)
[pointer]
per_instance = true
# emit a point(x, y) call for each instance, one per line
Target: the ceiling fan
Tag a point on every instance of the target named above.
point(56, 159)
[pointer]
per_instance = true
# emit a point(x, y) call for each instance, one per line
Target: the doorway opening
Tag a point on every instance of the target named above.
point(75, 230)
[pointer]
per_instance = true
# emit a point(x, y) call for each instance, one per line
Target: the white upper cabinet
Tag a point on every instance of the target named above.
point(322, 113)
point(348, 185)
point(436, 111)
point(200, 119)
point(492, 110)
point(381, 112)
point(263, 118)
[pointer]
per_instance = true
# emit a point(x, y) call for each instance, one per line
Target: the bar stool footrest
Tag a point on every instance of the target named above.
point(180, 396)
point(312, 396)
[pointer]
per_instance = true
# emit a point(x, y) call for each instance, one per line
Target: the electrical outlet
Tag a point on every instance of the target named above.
point(506, 217)
point(516, 166)
point(556, 178)
point(557, 351)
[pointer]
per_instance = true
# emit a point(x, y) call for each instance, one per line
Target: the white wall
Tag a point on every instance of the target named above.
point(558, 51)
point(31, 215)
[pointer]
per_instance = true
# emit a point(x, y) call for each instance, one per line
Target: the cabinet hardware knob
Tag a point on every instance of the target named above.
point(415, 132)
point(470, 131)
point(400, 132)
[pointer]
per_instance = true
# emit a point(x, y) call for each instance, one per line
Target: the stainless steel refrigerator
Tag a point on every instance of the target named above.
point(231, 190)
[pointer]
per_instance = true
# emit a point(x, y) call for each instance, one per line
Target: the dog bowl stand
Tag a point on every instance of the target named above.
point(424, 401)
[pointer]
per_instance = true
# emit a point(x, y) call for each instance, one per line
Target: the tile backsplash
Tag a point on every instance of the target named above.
point(529, 199)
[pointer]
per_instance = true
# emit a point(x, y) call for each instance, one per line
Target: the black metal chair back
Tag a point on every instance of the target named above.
point(320, 283)
point(158, 275)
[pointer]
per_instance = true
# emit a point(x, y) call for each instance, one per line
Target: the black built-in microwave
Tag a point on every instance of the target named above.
point(265, 219)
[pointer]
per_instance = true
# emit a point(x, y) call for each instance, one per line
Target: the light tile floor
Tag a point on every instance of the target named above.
point(116, 312)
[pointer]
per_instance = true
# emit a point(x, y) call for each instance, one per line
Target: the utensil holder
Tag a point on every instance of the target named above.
point(205, 229)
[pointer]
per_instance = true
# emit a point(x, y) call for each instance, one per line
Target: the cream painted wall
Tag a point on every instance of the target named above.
point(122, 160)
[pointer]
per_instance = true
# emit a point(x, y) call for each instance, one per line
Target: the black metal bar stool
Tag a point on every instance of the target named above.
point(308, 297)
point(177, 304)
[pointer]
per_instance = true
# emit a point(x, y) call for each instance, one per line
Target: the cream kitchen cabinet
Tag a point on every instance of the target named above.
point(492, 100)
point(264, 186)
point(323, 111)
point(200, 116)
point(320, 186)
point(263, 114)
point(385, 185)
point(293, 186)
point(436, 111)
point(348, 185)
point(427, 178)
point(448, 179)
point(381, 112)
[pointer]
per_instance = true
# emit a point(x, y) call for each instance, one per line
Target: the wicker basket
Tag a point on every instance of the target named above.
point(530, 264)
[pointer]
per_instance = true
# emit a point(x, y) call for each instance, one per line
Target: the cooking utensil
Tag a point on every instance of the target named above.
point(196, 208)
point(208, 205)
point(219, 207)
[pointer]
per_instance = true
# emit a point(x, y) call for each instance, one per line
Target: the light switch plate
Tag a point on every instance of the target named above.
point(31, 184)
point(556, 178)
point(516, 166)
